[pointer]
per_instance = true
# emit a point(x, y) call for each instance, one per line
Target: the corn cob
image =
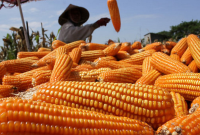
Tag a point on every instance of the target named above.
point(195, 105)
point(149, 78)
point(134, 51)
point(57, 43)
point(40, 77)
point(29, 54)
point(183, 83)
point(110, 42)
point(112, 50)
point(194, 43)
point(43, 49)
point(164, 49)
point(125, 46)
point(75, 54)
point(193, 67)
point(52, 54)
point(114, 14)
point(175, 57)
point(2, 70)
point(143, 102)
point(62, 50)
point(182, 125)
point(86, 76)
point(62, 68)
point(18, 65)
point(180, 47)
point(92, 55)
point(93, 46)
point(83, 67)
point(156, 46)
point(137, 59)
point(30, 117)
point(122, 55)
point(42, 62)
point(180, 105)
point(170, 44)
point(51, 62)
point(92, 75)
point(7, 90)
point(186, 57)
point(165, 64)
point(146, 65)
point(136, 45)
point(122, 75)
point(114, 64)
point(21, 82)
point(108, 58)
point(31, 72)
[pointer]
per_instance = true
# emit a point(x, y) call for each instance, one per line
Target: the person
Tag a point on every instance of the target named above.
point(71, 21)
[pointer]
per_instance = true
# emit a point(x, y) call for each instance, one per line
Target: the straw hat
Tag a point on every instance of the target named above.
point(84, 14)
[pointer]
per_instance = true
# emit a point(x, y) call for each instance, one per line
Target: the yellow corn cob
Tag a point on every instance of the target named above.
point(186, 57)
point(180, 105)
point(93, 46)
point(146, 65)
point(75, 54)
point(136, 45)
point(114, 64)
point(21, 82)
point(183, 83)
point(43, 49)
point(182, 125)
point(114, 14)
point(70, 46)
point(156, 46)
point(122, 75)
point(18, 65)
point(57, 43)
point(2, 70)
point(7, 90)
point(193, 67)
point(194, 44)
point(143, 102)
point(40, 77)
point(175, 57)
point(30, 117)
point(108, 58)
point(165, 64)
point(122, 55)
point(137, 59)
point(149, 78)
point(62, 50)
point(83, 67)
point(29, 54)
point(62, 68)
point(170, 44)
point(92, 55)
point(31, 72)
point(92, 75)
point(195, 105)
point(125, 46)
point(164, 49)
point(180, 47)
point(112, 49)
point(134, 51)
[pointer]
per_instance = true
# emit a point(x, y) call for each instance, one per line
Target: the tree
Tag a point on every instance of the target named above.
point(181, 30)
point(184, 29)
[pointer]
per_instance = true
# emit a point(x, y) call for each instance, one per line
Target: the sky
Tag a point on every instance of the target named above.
point(138, 17)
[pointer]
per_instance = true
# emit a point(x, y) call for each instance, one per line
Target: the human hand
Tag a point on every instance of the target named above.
point(103, 21)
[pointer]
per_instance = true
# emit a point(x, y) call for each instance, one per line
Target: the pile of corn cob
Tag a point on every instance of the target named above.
point(90, 88)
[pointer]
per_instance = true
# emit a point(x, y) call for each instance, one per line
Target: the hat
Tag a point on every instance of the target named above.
point(84, 14)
